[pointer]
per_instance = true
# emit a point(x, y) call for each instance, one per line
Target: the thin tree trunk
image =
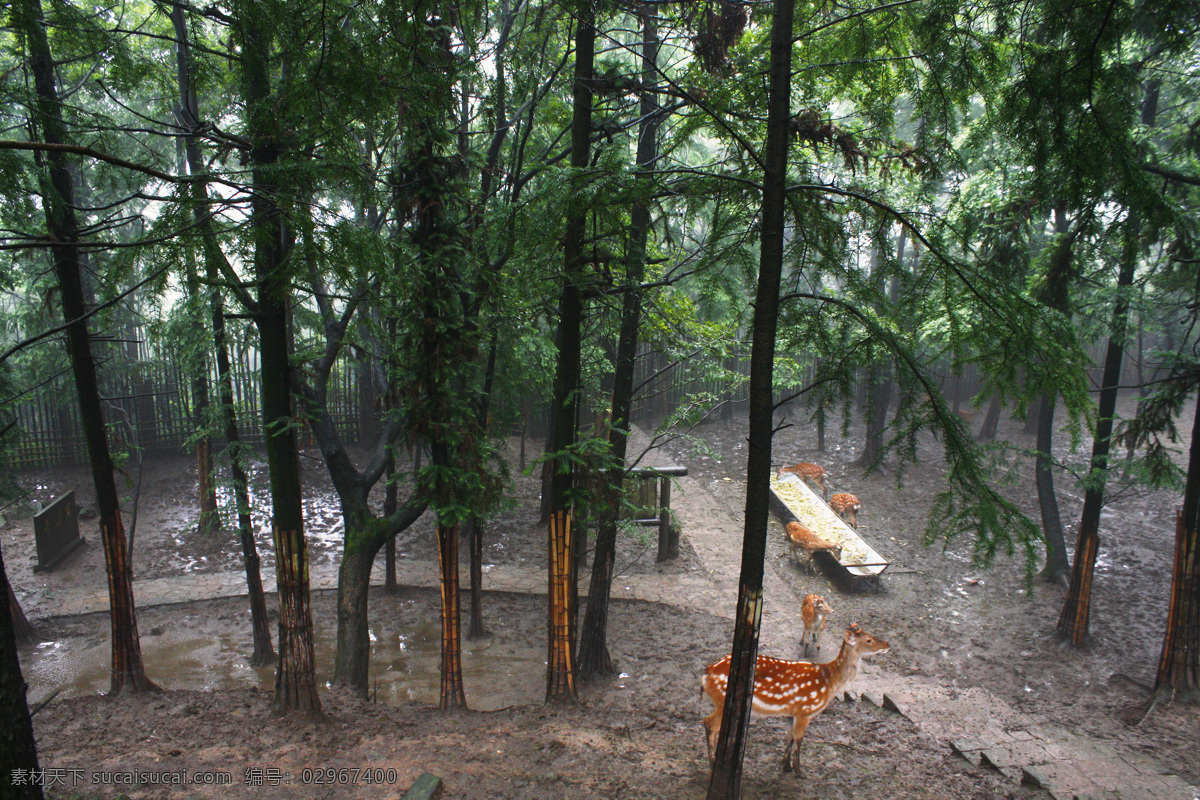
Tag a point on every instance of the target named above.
point(476, 629)
point(390, 501)
point(1074, 621)
point(295, 675)
point(725, 783)
point(594, 659)
point(821, 423)
point(451, 693)
point(187, 115)
point(264, 651)
point(1143, 389)
point(128, 673)
point(1055, 294)
point(560, 667)
point(1057, 565)
point(1178, 675)
point(878, 385)
point(991, 420)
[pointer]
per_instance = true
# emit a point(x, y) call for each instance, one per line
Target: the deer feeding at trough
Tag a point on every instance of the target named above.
point(804, 539)
point(811, 472)
point(846, 506)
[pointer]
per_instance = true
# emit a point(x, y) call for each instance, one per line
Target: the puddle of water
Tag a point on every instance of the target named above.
point(404, 665)
point(323, 525)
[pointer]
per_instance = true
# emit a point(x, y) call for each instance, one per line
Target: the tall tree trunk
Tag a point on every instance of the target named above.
point(352, 659)
point(1055, 294)
point(451, 694)
point(128, 673)
point(445, 352)
point(264, 651)
point(390, 501)
point(1074, 620)
point(1178, 675)
point(476, 628)
point(594, 659)
point(878, 382)
point(560, 666)
point(726, 779)
point(1076, 612)
point(209, 522)
point(1139, 361)
point(295, 675)
point(189, 118)
point(991, 420)
point(18, 750)
point(820, 413)
point(1057, 565)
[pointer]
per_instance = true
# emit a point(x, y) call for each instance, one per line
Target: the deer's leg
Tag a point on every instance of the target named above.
point(799, 726)
point(712, 727)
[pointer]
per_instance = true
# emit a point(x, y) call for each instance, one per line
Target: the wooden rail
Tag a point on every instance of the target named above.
point(668, 535)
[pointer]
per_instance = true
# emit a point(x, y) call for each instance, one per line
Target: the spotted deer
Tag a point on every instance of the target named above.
point(813, 611)
point(806, 471)
point(796, 689)
point(804, 539)
point(846, 506)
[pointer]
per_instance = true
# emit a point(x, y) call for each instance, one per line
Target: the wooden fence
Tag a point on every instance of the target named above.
point(149, 406)
point(149, 403)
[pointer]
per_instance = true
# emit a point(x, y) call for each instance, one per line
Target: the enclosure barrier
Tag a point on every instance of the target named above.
point(668, 534)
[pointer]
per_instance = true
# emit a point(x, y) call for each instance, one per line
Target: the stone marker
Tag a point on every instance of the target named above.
point(426, 787)
point(56, 532)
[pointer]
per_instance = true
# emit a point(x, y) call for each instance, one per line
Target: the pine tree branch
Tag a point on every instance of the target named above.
point(1171, 174)
point(10, 144)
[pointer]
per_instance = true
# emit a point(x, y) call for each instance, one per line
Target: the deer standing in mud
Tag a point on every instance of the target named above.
point(797, 689)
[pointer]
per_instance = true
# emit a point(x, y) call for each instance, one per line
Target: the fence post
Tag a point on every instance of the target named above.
point(665, 551)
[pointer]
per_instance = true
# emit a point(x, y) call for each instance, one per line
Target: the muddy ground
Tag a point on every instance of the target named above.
point(637, 734)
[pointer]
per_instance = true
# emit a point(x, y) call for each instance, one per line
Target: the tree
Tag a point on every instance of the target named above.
point(731, 742)
point(1076, 612)
point(1055, 295)
point(189, 119)
point(560, 665)
point(266, 110)
point(1178, 674)
point(1074, 620)
point(45, 119)
point(594, 659)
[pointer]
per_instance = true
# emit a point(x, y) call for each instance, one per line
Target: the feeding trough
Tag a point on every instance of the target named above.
point(794, 500)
